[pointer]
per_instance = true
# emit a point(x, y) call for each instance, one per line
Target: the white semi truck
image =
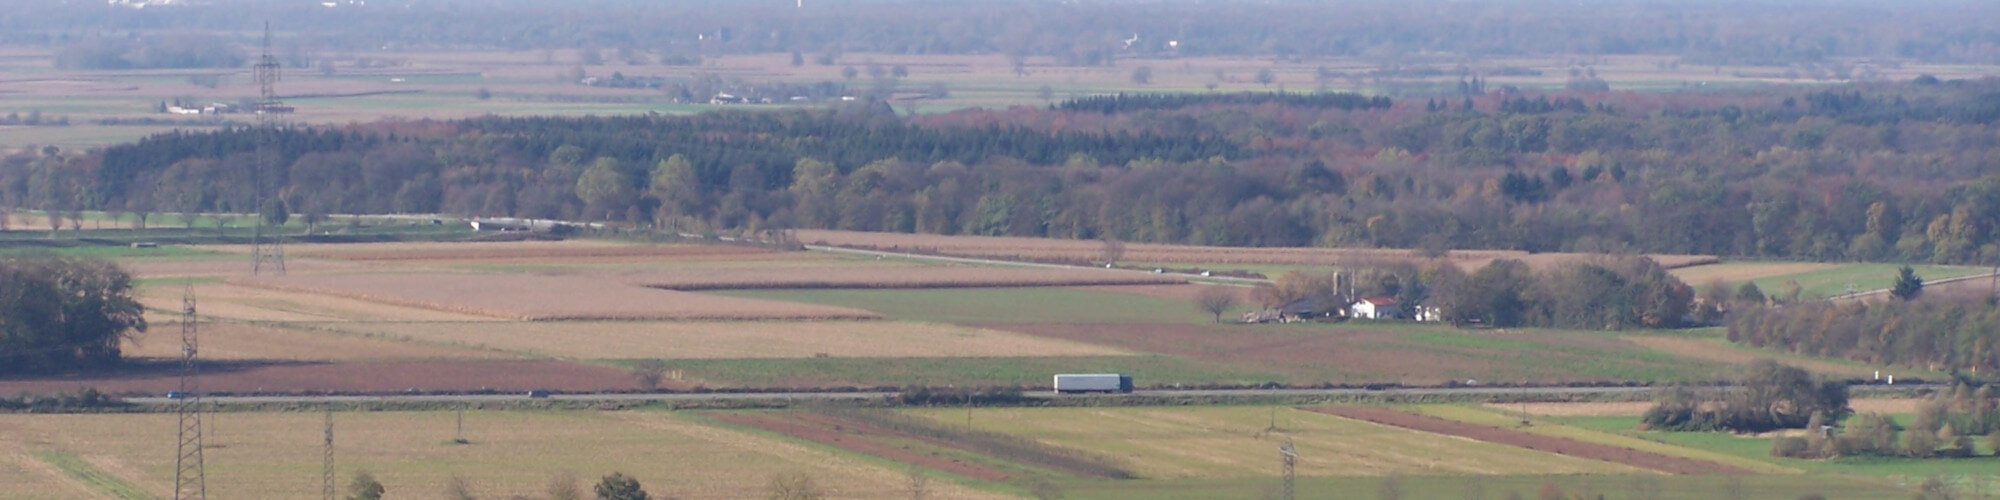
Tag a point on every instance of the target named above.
point(1069, 383)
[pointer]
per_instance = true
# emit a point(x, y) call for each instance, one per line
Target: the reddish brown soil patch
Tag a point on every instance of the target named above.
point(854, 436)
point(157, 377)
point(1551, 444)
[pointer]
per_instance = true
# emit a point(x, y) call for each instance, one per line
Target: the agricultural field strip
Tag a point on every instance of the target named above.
point(1093, 251)
point(1214, 442)
point(723, 339)
point(544, 298)
point(237, 341)
point(1721, 351)
point(233, 302)
point(30, 477)
point(1488, 418)
point(1560, 445)
point(518, 250)
point(859, 438)
point(909, 277)
point(276, 455)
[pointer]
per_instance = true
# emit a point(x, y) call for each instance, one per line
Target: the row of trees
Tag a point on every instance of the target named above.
point(1706, 32)
point(1935, 333)
point(1945, 426)
point(1772, 396)
point(1606, 293)
point(1742, 175)
point(63, 313)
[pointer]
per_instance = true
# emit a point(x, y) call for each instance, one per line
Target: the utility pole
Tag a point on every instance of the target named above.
point(267, 105)
point(190, 474)
point(326, 459)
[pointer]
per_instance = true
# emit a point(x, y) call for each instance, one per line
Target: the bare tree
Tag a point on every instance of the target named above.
point(457, 488)
point(1216, 300)
point(564, 486)
point(794, 486)
point(920, 484)
point(1112, 250)
point(648, 373)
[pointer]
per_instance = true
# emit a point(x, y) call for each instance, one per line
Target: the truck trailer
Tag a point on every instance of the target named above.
point(1070, 383)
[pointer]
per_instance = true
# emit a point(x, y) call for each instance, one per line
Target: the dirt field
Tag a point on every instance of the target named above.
point(155, 269)
point(565, 250)
point(232, 302)
point(1092, 251)
point(856, 437)
point(1551, 444)
point(1410, 355)
point(1232, 442)
point(277, 455)
point(1714, 350)
point(543, 298)
point(729, 340)
point(910, 277)
point(248, 342)
point(156, 377)
point(1737, 273)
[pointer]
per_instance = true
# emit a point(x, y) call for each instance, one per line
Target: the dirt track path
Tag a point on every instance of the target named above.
point(1551, 444)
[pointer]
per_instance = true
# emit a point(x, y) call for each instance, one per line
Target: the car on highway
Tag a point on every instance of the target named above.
point(538, 393)
point(176, 395)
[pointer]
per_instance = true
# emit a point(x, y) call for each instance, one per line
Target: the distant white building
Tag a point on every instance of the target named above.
point(1373, 308)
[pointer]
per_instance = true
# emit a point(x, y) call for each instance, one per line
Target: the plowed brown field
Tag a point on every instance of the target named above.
point(544, 298)
point(726, 339)
point(997, 247)
point(250, 342)
point(220, 300)
point(1551, 444)
point(514, 250)
point(156, 377)
point(910, 277)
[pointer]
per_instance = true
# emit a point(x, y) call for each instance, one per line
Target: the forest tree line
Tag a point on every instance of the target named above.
point(1070, 33)
point(1932, 333)
point(1863, 172)
point(1608, 293)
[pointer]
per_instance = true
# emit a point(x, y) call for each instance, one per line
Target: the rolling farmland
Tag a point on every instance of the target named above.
point(728, 340)
point(542, 298)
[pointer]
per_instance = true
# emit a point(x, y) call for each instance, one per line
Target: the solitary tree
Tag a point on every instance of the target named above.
point(1908, 284)
point(1142, 75)
point(365, 487)
point(648, 373)
point(1216, 300)
point(563, 487)
point(619, 486)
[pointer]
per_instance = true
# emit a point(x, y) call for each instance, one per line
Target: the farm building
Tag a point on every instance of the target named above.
point(1299, 309)
point(1373, 308)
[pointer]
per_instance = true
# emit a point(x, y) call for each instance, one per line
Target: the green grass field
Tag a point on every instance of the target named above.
point(1978, 474)
point(1829, 283)
point(996, 305)
point(1490, 487)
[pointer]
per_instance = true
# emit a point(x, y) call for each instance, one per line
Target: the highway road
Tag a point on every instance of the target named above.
point(823, 396)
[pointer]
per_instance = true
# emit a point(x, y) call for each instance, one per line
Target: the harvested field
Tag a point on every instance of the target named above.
point(1216, 442)
point(276, 455)
point(1081, 251)
point(543, 298)
point(154, 269)
point(1737, 273)
point(248, 342)
point(1409, 354)
point(220, 300)
point(860, 438)
point(156, 377)
point(1718, 351)
point(516, 250)
point(729, 340)
point(29, 478)
point(909, 277)
point(1551, 444)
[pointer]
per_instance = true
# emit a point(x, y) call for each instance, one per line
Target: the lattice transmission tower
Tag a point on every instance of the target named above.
point(326, 455)
point(265, 257)
point(1291, 457)
point(190, 473)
